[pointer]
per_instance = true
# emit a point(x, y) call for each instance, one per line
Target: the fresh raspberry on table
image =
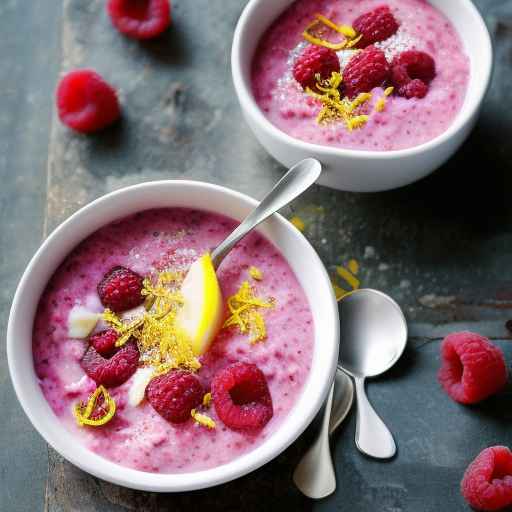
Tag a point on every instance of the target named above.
point(113, 371)
point(174, 395)
point(241, 397)
point(472, 367)
point(375, 26)
point(140, 19)
point(487, 482)
point(313, 61)
point(85, 102)
point(411, 73)
point(104, 341)
point(120, 289)
point(364, 71)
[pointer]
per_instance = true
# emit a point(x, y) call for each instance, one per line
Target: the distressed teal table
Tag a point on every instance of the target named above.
point(441, 248)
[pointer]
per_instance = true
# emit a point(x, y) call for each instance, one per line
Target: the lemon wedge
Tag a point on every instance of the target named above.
point(200, 317)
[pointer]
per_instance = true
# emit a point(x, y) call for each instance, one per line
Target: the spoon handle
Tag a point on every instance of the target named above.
point(373, 438)
point(314, 475)
point(299, 178)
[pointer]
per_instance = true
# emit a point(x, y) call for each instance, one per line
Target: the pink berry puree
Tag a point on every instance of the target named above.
point(404, 122)
point(137, 436)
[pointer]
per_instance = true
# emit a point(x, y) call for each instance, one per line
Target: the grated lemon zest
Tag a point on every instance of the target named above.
point(83, 411)
point(160, 342)
point(339, 292)
point(348, 277)
point(255, 273)
point(380, 104)
point(350, 36)
point(353, 42)
point(357, 122)
point(353, 266)
point(334, 107)
point(202, 419)
point(359, 100)
point(298, 223)
point(207, 398)
point(243, 313)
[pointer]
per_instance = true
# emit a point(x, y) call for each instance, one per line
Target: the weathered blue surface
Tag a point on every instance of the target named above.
point(441, 247)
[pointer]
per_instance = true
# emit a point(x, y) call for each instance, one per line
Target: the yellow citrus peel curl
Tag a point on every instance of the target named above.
point(161, 342)
point(84, 411)
point(350, 36)
point(335, 108)
point(243, 308)
point(202, 419)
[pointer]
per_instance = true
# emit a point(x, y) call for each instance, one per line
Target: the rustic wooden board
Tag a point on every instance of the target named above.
point(440, 247)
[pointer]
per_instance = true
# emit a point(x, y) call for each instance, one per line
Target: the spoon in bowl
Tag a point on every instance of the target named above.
point(373, 337)
point(296, 181)
point(200, 316)
point(314, 475)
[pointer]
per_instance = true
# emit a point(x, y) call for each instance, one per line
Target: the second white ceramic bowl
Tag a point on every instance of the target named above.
point(354, 170)
point(295, 248)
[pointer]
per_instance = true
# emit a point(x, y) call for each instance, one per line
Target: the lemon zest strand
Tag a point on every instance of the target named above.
point(83, 411)
point(334, 107)
point(160, 342)
point(339, 292)
point(353, 266)
point(255, 273)
point(298, 223)
point(350, 35)
point(203, 419)
point(348, 277)
point(243, 312)
point(380, 104)
point(207, 398)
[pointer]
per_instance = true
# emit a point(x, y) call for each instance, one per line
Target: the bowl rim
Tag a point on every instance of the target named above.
point(249, 104)
point(103, 468)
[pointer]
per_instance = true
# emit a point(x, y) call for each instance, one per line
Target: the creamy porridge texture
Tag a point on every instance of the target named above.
point(138, 436)
point(390, 120)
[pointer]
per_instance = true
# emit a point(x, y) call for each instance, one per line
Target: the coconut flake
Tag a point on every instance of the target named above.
point(81, 321)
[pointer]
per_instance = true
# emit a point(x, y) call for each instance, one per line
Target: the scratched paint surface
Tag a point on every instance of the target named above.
point(441, 248)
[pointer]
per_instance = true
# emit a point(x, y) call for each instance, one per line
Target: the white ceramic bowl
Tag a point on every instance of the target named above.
point(295, 248)
point(355, 170)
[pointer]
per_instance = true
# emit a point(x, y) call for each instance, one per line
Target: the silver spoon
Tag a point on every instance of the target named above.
point(298, 179)
point(342, 400)
point(314, 475)
point(373, 337)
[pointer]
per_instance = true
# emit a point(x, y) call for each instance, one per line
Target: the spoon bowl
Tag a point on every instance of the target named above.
point(373, 333)
point(314, 475)
point(373, 337)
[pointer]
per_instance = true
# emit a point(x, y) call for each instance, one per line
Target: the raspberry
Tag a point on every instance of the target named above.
point(375, 26)
point(241, 397)
point(315, 60)
point(120, 289)
point(174, 394)
point(411, 72)
point(487, 482)
point(472, 368)
point(140, 19)
point(115, 370)
point(364, 71)
point(104, 341)
point(86, 103)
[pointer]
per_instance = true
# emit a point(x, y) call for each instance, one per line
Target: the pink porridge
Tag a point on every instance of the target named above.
point(137, 436)
point(390, 113)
